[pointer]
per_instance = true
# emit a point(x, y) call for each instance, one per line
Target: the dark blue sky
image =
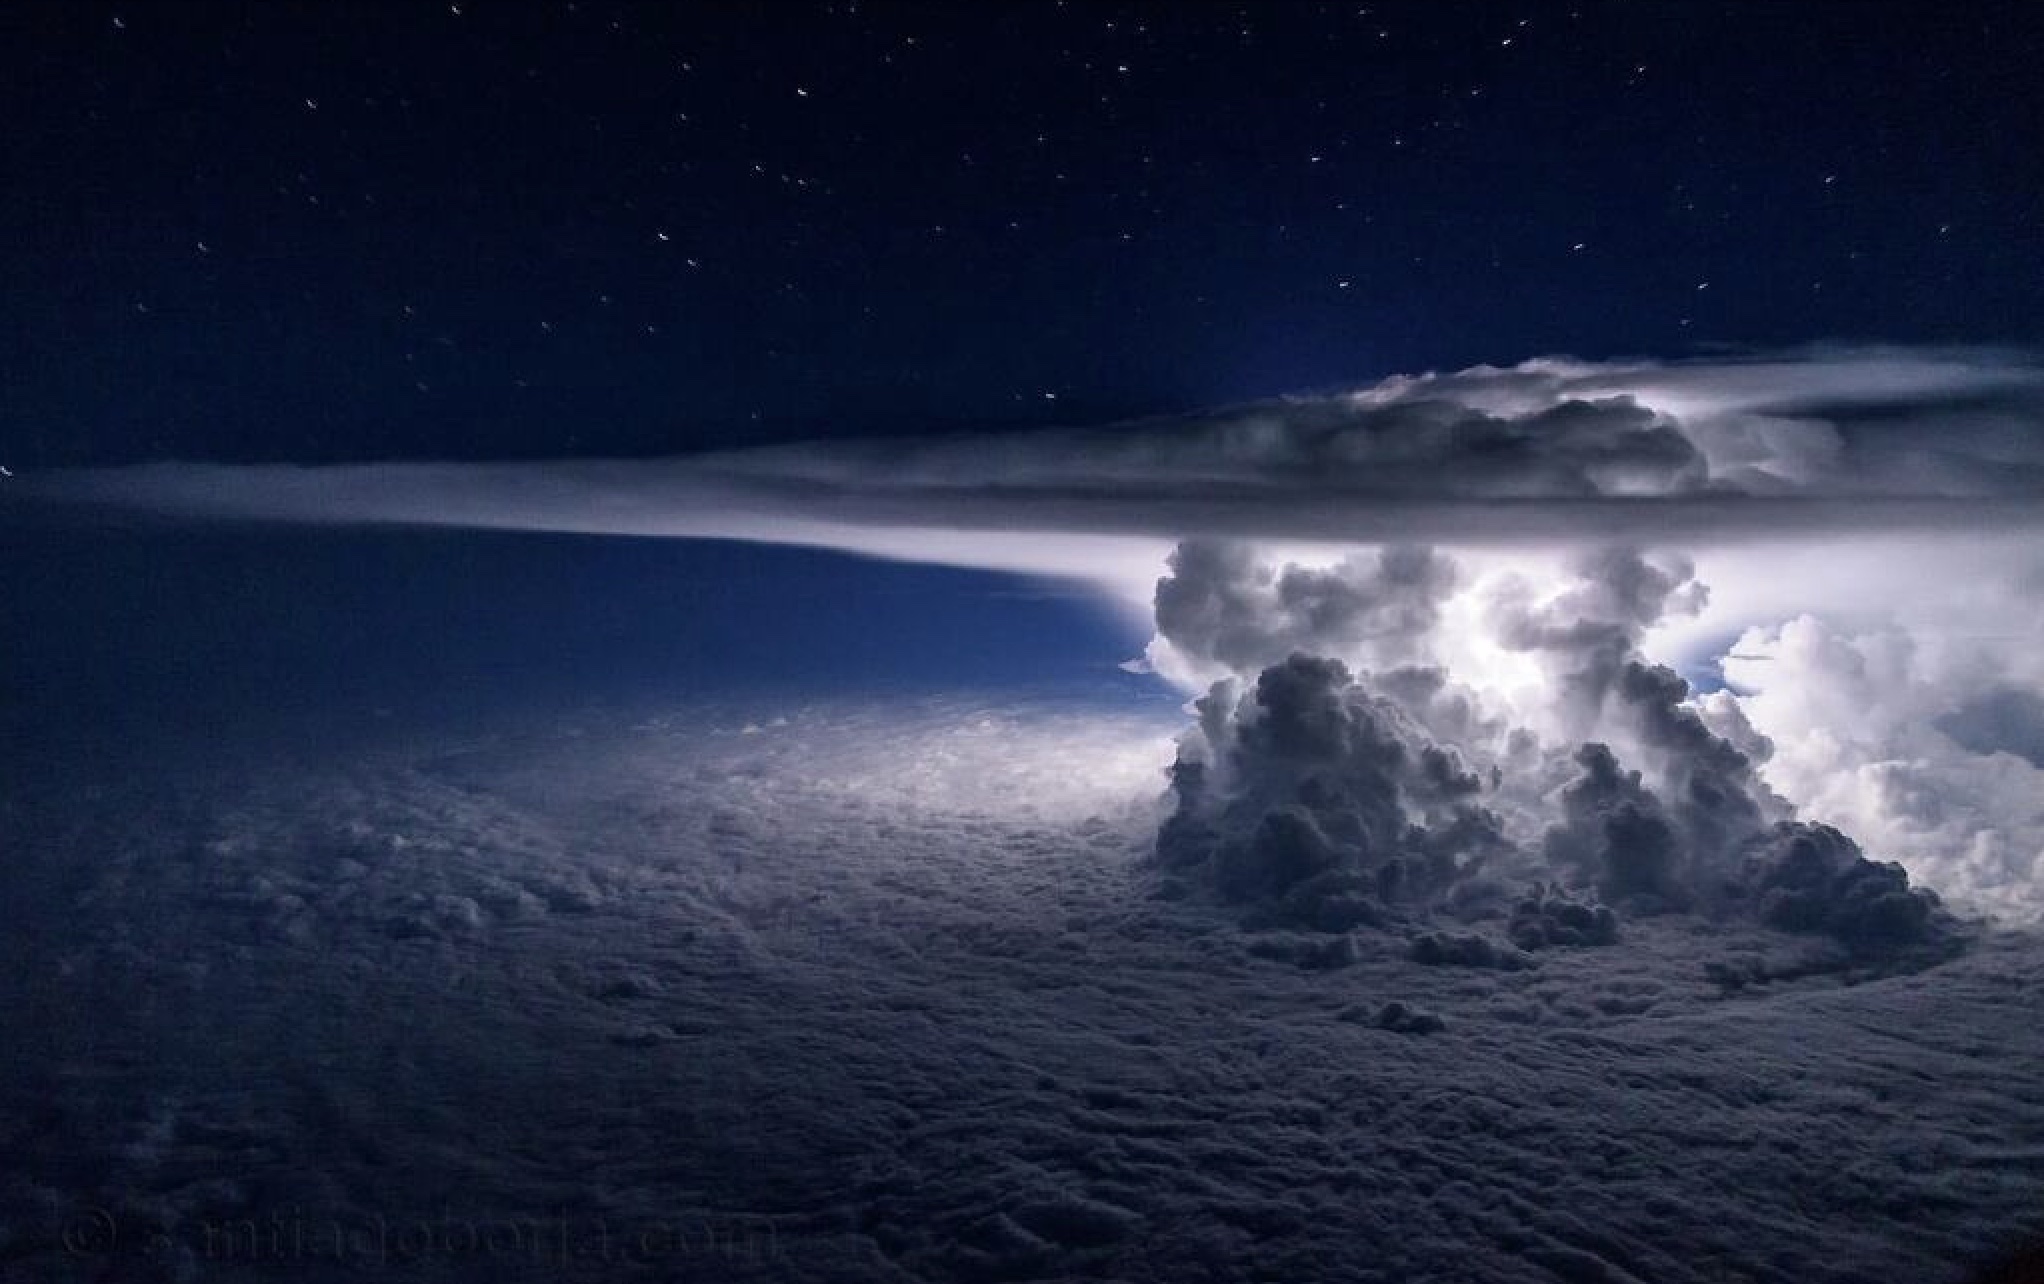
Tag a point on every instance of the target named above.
point(141, 636)
point(482, 230)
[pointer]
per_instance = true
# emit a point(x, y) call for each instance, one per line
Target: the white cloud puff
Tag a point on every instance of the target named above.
point(1861, 724)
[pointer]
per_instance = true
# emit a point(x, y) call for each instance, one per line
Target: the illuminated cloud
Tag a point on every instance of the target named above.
point(1461, 540)
point(1325, 798)
point(1850, 440)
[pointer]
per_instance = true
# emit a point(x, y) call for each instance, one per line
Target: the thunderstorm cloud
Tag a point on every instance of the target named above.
point(1665, 606)
point(1563, 744)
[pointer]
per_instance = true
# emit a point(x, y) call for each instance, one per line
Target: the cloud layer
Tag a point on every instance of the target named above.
point(828, 999)
point(1713, 450)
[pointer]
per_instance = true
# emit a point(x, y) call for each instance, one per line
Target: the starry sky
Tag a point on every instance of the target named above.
point(310, 233)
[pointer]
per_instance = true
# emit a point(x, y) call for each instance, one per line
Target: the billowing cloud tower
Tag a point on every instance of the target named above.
point(1324, 797)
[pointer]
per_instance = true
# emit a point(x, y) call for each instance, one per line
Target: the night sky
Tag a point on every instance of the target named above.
point(291, 232)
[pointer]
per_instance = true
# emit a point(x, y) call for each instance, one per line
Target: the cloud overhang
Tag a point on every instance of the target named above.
point(1707, 451)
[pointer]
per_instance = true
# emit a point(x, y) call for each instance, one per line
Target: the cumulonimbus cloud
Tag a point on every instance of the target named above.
point(1867, 521)
point(1325, 798)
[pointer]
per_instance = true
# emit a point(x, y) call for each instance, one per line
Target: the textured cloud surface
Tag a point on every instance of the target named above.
point(880, 992)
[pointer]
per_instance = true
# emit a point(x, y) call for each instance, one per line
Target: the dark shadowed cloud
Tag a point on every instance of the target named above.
point(1325, 798)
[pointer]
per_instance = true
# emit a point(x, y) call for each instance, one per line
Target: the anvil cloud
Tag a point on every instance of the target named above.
point(1857, 532)
point(1553, 449)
